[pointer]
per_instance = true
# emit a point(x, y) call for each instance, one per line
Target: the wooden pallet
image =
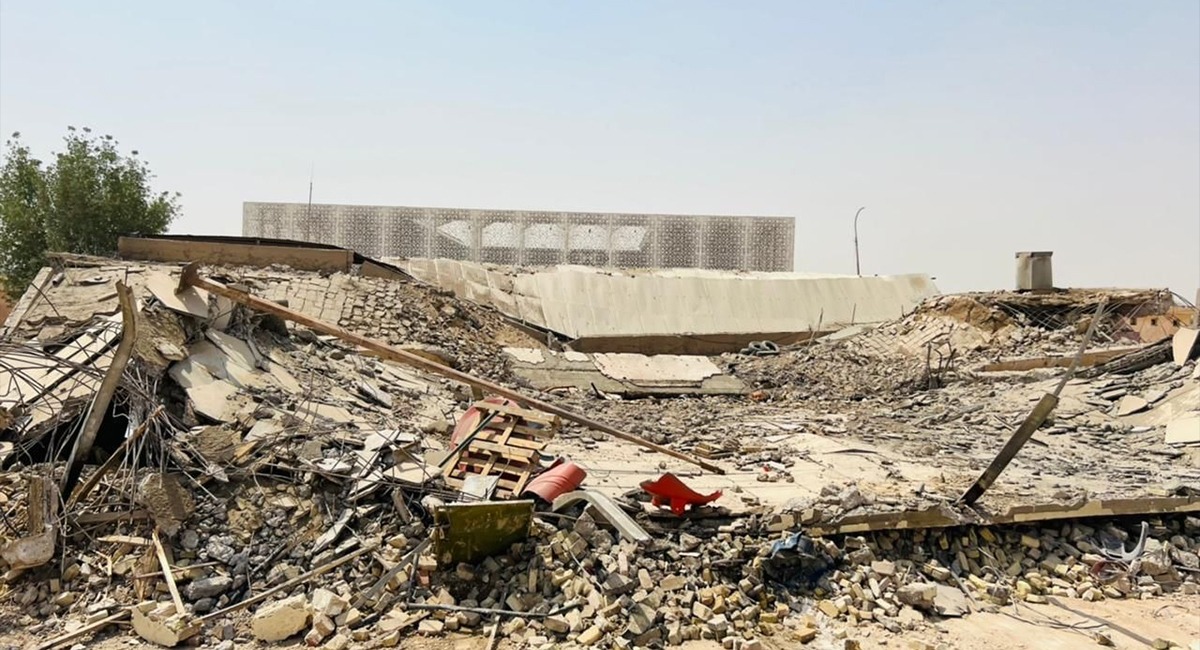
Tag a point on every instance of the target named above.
point(507, 447)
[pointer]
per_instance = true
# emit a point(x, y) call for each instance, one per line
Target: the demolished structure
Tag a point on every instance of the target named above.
point(686, 311)
point(298, 443)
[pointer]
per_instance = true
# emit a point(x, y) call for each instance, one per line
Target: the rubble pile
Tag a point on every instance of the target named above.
point(398, 312)
point(246, 479)
point(831, 372)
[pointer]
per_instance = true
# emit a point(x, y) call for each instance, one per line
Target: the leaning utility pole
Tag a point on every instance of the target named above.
point(857, 266)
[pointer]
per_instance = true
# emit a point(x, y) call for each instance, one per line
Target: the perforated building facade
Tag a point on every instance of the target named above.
point(527, 238)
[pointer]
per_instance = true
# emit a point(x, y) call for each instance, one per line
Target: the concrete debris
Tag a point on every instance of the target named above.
point(281, 619)
point(298, 490)
point(159, 623)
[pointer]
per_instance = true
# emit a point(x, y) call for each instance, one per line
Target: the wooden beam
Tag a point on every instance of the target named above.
point(85, 630)
point(191, 278)
point(1036, 417)
point(300, 579)
point(234, 254)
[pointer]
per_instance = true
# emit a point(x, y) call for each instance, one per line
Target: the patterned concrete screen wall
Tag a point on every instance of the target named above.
point(534, 238)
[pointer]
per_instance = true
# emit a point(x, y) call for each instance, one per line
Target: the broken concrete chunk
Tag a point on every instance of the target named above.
point(159, 623)
point(215, 400)
point(328, 603)
point(215, 444)
point(590, 636)
point(641, 619)
point(431, 626)
point(281, 619)
point(191, 301)
point(1183, 345)
point(920, 595)
point(263, 430)
point(1131, 404)
point(170, 351)
point(950, 601)
point(1184, 430)
point(31, 551)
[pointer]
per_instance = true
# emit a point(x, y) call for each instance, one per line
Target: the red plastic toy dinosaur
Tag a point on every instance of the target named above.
point(669, 489)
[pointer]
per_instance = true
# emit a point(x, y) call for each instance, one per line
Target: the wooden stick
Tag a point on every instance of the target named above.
point(109, 517)
point(85, 630)
point(178, 569)
point(394, 571)
point(166, 570)
point(484, 610)
point(477, 610)
point(191, 278)
point(289, 584)
point(126, 539)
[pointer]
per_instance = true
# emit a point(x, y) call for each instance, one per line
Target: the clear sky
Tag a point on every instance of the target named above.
point(969, 130)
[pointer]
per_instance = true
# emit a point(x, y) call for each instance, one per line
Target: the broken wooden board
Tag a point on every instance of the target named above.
point(1093, 358)
point(944, 515)
point(41, 515)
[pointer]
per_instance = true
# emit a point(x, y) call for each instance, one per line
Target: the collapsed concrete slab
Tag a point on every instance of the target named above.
point(623, 373)
point(669, 311)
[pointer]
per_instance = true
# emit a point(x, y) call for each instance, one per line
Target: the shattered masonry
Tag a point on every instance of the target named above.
point(252, 478)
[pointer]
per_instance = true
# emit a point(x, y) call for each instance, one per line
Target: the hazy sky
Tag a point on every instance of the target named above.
point(969, 130)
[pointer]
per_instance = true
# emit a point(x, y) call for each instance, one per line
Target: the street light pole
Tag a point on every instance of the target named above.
point(857, 266)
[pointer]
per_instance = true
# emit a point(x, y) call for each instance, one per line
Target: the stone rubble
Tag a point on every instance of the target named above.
point(293, 481)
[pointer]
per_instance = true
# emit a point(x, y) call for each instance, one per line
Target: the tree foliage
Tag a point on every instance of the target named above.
point(80, 202)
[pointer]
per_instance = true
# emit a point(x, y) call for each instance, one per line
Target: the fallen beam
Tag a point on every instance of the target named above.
point(1036, 417)
point(489, 610)
point(108, 386)
point(1088, 360)
point(300, 579)
point(191, 278)
point(166, 572)
point(85, 630)
point(181, 250)
point(945, 516)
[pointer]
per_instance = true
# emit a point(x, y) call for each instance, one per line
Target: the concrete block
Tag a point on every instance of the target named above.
point(281, 619)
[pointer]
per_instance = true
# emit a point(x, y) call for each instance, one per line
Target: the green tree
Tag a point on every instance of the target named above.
point(81, 202)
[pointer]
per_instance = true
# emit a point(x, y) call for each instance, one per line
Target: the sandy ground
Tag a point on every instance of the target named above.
point(1064, 625)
